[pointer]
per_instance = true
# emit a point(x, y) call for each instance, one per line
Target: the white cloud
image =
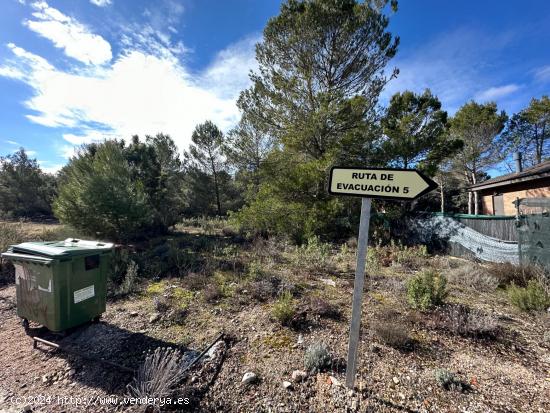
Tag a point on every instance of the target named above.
point(101, 3)
point(454, 66)
point(140, 92)
point(228, 74)
point(494, 93)
point(69, 34)
point(542, 74)
point(13, 143)
point(49, 167)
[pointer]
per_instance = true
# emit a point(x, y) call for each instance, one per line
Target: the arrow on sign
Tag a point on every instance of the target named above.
point(400, 184)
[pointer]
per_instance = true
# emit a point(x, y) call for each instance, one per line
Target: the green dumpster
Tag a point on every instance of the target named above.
point(60, 284)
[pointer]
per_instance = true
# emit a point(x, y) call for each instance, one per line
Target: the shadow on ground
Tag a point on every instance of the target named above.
point(107, 342)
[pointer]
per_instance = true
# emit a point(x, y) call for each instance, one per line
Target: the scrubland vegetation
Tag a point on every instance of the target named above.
point(433, 325)
point(238, 234)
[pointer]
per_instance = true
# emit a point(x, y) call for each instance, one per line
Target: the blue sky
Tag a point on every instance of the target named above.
point(75, 71)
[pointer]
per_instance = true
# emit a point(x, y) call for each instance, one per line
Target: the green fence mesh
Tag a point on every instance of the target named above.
point(534, 231)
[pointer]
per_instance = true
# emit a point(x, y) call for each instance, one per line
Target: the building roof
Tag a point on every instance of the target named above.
point(542, 170)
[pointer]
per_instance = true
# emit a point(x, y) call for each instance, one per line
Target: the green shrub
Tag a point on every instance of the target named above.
point(255, 271)
point(128, 284)
point(426, 290)
point(284, 308)
point(448, 380)
point(314, 254)
point(530, 298)
point(317, 357)
point(410, 257)
point(121, 192)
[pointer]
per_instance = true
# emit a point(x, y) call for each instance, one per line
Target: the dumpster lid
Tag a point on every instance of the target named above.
point(69, 248)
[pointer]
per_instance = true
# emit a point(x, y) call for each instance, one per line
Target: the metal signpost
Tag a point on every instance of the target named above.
point(368, 183)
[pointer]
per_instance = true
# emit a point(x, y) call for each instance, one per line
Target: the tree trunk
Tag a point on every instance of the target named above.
point(476, 195)
point(442, 195)
point(217, 194)
point(216, 188)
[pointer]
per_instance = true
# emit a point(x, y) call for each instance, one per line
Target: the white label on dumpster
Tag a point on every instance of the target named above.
point(84, 294)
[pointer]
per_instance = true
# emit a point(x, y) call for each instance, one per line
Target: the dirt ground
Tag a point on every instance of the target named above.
point(506, 373)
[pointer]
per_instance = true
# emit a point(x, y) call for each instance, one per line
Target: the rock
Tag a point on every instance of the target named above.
point(328, 281)
point(298, 375)
point(249, 378)
point(134, 313)
point(300, 339)
point(23, 386)
point(335, 382)
point(45, 378)
point(212, 352)
point(395, 380)
point(71, 373)
point(154, 317)
point(354, 405)
point(287, 385)
point(27, 409)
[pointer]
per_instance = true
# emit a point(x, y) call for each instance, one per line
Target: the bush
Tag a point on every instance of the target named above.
point(262, 290)
point(255, 270)
point(507, 273)
point(474, 276)
point(25, 191)
point(122, 192)
point(460, 319)
point(324, 309)
point(129, 281)
point(426, 290)
point(448, 380)
point(10, 233)
point(160, 375)
point(531, 298)
point(410, 257)
point(284, 308)
point(161, 304)
point(391, 331)
point(195, 281)
point(317, 357)
point(212, 293)
point(314, 254)
point(177, 315)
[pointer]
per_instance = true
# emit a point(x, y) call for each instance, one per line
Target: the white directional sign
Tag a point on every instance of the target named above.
point(400, 184)
point(405, 184)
